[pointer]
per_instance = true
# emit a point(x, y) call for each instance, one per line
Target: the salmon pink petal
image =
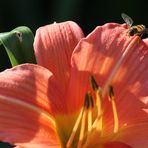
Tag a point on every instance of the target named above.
point(101, 51)
point(134, 135)
point(95, 55)
point(116, 144)
point(54, 45)
point(25, 125)
point(29, 95)
point(98, 55)
point(130, 86)
point(32, 84)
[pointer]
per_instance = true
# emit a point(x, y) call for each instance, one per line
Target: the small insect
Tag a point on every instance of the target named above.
point(136, 29)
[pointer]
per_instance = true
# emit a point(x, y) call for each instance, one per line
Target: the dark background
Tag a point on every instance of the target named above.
point(87, 13)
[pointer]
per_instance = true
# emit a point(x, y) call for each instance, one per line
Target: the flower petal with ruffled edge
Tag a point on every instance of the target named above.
point(40, 93)
point(54, 45)
point(29, 98)
point(97, 55)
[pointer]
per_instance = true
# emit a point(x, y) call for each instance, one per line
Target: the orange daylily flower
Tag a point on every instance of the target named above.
point(84, 92)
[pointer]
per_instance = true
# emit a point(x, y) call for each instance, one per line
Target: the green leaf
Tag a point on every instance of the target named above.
point(18, 44)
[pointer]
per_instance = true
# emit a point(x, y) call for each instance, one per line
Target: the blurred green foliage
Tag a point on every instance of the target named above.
point(88, 14)
point(18, 44)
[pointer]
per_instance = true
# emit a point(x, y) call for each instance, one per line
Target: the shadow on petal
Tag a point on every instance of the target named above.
point(116, 144)
point(25, 114)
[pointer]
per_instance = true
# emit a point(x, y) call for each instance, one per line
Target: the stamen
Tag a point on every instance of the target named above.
point(99, 107)
point(80, 142)
point(69, 143)
point(112, 99)
point(97, 122)
point(89, 120)
point(93, 83)
point(111, 92)
point(88, 125)
point(91, 105)
point(98, 93)
point(88, 105)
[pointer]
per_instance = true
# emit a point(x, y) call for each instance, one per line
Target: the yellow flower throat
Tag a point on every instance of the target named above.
point(86, 122)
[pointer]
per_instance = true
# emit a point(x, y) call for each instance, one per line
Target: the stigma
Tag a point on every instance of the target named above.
point(90, 117)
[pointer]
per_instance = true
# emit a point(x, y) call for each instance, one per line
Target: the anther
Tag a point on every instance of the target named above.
point(88, 103)
point(112, 100)
point(93, 83)
point(97, 124)
point(110, 92)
